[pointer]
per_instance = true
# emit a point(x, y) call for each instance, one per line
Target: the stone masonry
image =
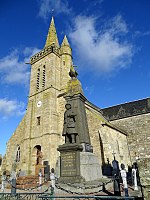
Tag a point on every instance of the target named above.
point(134, 118)
point(144, 169)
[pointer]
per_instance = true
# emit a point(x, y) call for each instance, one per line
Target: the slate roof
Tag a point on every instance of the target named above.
point(129, 109)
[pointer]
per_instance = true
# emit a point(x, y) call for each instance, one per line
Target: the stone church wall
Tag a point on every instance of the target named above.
point(144, 172)
point(134, 117)
point(15, 140)
point(138, 134)
point(107, 141)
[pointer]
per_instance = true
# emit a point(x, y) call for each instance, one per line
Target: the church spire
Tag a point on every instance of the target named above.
point(65, 42)
point(52, 35)
point(65, 47)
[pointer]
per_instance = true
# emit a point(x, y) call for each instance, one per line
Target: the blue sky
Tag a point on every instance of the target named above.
point(111, 47)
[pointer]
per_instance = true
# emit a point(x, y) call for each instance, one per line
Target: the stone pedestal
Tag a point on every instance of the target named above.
point(70, 163)
point(76, 165)
point(90, 168)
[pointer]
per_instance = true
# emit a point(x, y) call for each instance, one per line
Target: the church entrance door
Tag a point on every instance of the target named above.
point(38, 161)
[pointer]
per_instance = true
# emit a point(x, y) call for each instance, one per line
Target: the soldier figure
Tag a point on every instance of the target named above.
point(69, 130)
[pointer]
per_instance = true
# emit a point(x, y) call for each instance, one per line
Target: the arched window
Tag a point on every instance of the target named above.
point(43, 81)
point(18, 154)
point(38, 80)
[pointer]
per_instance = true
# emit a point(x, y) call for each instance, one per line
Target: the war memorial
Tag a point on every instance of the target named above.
point(64, 134)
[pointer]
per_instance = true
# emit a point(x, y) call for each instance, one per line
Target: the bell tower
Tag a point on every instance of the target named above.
point(49, 76)
point(40, 132)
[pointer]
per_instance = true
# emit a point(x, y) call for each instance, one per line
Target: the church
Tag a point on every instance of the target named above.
point(120, 131)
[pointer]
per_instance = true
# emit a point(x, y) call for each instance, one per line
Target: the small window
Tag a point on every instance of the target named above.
point(38, 120)
point(43, 82)
point(38, 79)
point(63, 62)
point(18, 154)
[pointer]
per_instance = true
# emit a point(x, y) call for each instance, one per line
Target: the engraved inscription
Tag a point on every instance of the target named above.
point(68, 164)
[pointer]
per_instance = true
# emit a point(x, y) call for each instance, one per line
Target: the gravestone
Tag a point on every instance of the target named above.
point(116, 178)
point(107, 169)
point(46, 170)
point(77, 161)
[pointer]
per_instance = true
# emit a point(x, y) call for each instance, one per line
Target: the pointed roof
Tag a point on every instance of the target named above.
point(52, 35)
point(65, 42)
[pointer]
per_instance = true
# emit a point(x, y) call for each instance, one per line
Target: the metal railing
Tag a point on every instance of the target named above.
point(20, 196)
point(40, 196)
point(44, 197)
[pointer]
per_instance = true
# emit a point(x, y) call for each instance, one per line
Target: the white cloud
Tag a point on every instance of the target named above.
point(13, 68)
point(11, 107)
point(56, 6)
point(105, 50)
point(117, 25)
point(30, 51)
point(89, 89)
point(147, 33)
point(141, 34)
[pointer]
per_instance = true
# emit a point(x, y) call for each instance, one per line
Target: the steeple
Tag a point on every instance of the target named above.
point(65, 47)
point(52, 35)
point(65, 42)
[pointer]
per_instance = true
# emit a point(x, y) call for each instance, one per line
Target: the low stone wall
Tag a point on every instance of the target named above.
point(144, 172)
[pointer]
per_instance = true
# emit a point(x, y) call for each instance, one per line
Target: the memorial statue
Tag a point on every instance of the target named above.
point(69, 129)
point(39, 157)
